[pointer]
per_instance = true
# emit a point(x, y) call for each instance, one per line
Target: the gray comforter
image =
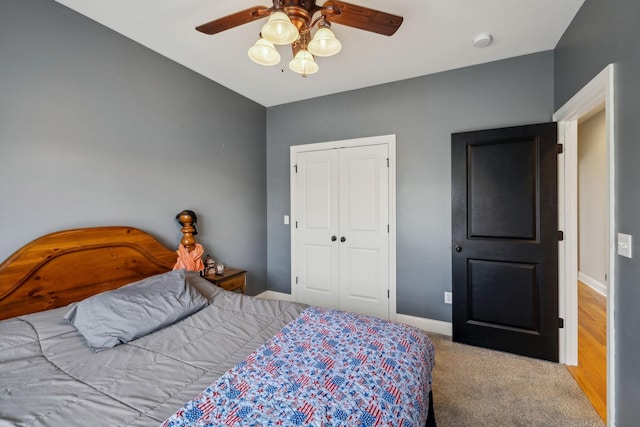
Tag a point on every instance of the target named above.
point(49, 377)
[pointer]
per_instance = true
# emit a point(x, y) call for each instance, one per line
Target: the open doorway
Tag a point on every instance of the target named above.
point(593, 263)
point(580, 108)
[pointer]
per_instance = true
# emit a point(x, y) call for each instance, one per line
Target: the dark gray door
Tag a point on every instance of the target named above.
point(505, 239)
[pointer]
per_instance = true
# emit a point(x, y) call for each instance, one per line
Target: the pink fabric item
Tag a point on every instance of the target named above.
point(191, 261)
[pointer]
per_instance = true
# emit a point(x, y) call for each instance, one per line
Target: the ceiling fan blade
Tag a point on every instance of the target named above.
point(234, 20)
point(362, 18)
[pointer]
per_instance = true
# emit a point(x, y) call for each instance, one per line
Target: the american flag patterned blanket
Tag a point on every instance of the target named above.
point(326, 368)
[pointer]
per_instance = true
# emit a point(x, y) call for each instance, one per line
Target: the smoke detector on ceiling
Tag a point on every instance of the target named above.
point(482, 40)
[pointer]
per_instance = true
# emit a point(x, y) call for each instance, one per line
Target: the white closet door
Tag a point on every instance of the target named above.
point(364, 220)
point(316, 208)
point(343, 193)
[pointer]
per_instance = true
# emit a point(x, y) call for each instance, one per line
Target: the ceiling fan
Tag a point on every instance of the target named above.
point(291, 22)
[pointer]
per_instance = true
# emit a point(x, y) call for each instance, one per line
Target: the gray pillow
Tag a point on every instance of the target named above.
point(119, 316)
point(205, 287)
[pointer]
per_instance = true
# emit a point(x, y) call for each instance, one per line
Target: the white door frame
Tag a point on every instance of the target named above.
point(597, 91)
point(390, 140)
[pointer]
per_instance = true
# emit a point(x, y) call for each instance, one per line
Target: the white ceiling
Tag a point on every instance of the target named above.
point(435, 36)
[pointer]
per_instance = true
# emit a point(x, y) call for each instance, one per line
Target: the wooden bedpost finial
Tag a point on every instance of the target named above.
point(187, 219)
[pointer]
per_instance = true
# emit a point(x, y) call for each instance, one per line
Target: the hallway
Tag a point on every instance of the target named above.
point(591, 372)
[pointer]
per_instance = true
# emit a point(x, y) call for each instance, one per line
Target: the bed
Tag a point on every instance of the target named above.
point(233, 360)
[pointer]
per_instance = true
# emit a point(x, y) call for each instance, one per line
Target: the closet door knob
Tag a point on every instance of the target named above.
point(343, 239)
point(458, 248)
point(334, 238)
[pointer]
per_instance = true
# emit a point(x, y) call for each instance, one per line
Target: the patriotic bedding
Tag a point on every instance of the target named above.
point(50, 378)
point(326, 368)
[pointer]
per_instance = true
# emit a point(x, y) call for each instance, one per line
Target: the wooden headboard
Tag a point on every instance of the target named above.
point(68, 266)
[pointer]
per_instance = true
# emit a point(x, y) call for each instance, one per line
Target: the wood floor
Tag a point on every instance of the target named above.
point(591, 372)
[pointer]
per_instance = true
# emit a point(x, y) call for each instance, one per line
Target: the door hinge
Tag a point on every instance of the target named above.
point(388, 229)
point(388, 294)
point(296, 224)
point(560, 236)
point(560, 148)
point(296, 280)
point(295, 167)
point(387, 162)
point(560, 322)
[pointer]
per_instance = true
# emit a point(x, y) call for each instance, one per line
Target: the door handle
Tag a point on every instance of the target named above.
point(343, 239)
point(458, 248)
point(334, 238)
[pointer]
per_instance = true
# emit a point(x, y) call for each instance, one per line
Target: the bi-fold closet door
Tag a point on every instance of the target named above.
point(341, 228)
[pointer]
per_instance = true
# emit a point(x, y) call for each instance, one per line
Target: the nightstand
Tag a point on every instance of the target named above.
point(233, 279)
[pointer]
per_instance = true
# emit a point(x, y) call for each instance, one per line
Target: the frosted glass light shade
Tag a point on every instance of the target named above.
point(279, 29)
point(264, 53)
point(303, 63)
point(324, 43)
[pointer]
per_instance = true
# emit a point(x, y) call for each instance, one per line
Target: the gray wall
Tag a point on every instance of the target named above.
point(422, 112)
point(606, 32)
point(98, 130)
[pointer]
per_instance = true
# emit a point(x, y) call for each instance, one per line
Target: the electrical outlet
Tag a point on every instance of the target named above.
point(448, 298)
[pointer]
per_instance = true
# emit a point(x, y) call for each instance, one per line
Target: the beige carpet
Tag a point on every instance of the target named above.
point(473, 386)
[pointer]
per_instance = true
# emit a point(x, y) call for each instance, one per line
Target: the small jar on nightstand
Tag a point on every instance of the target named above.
point(233, 279)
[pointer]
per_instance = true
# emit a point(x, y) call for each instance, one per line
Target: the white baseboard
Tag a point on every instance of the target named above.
point(597, 286)
point(275, 295)
point(429, 325)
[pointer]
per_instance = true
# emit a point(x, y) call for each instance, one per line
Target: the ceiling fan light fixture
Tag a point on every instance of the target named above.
point(264, 53)
point(324, 43)
point(303, 63)
point(294, 22)
point(279, 29)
